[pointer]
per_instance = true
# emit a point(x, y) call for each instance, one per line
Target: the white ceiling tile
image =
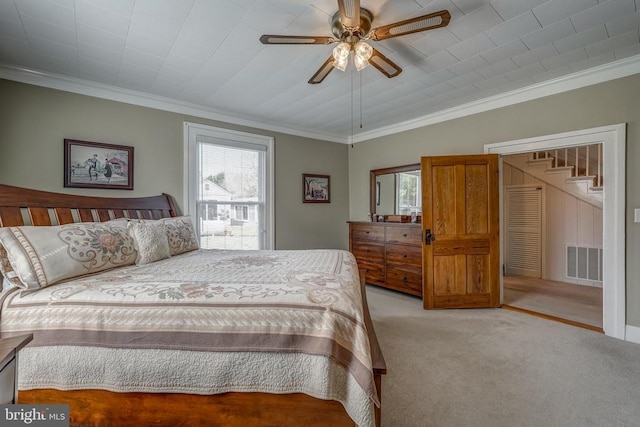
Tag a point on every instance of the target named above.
point(475, 22)
point(435, 41)
point(525, 72)
point(552, 74)
point(311, 22)
point(467, 6)
point(47, 11)
point(514, 28)
point(120, 7)
point(160, 19)
point(549, 34)
point(136, 76)
point(495, 69)
point(623, 24)
point(96, 37)
point(139, 58)
point(438, 89)
point(37, 28)
point(264, 16)
point(505, 51)
point(438, 61)
point(88, 51)
point(472, 46)
point(102, 18)
point(581, 39)
point(565, 59)
point(468, 65)
point(602, 13)
point(150, 45)
point(535, 55)
point(592, 62)
point(9, 11)
point(107, 70)
point(465, 79)
point(510, 8)
point(283, 6)
point(627, 52)
point(11, 28)
point(438, 77)
point(623, 40)
point(492, 82)
point(555, 10)
point(50, 49)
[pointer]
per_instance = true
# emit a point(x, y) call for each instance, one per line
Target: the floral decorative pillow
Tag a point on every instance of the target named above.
point(151, 241)
point(181, 234)
point(42, 256)
point(10, 278)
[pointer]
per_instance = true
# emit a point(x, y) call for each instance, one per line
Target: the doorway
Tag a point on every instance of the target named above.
point(553, 234)
point(613, 140)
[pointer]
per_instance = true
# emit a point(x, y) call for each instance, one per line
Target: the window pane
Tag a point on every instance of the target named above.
point(231, 185)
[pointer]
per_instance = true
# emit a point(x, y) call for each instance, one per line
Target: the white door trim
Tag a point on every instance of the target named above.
point(613, 139)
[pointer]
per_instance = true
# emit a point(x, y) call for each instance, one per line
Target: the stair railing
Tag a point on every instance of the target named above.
point(585, 160)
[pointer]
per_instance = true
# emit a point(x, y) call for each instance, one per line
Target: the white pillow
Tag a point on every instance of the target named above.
point(42, 256)
point(150, 240)
point(181, 234)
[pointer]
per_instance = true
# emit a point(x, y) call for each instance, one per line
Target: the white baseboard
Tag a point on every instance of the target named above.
point(633, 334)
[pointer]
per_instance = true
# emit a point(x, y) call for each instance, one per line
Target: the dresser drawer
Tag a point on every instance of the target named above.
point(367, 232)
point(407, 279)
point(404, 235)
point(374, 273)
point(372, 252)
point(410, 256)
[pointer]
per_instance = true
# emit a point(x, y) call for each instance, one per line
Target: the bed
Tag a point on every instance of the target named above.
point(200, 337)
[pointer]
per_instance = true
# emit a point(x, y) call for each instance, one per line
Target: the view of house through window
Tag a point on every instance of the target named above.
point(230, 195)
point(228, 187)
point(408, 193)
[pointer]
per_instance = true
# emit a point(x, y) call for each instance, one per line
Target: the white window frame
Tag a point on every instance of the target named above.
point(191, 132)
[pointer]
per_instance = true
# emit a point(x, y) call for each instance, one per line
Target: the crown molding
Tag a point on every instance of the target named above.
point(127, 96)
point(614, 70)
point(603, 73)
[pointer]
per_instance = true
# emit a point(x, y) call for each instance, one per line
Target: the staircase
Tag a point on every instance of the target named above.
point(575, 170)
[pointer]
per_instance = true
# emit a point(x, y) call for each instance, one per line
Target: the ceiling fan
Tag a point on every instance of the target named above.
point(351, 26)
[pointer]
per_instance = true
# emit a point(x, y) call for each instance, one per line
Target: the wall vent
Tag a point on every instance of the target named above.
point(584, 262)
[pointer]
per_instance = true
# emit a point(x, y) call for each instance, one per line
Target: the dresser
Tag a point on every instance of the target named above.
point(391, 254)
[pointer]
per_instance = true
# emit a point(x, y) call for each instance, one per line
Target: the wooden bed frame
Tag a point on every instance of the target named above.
point(21, 206)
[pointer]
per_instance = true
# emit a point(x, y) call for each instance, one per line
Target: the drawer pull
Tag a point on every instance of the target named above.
point(404, 255)
point(367, 232)
point(404, 279)
point(404, 235)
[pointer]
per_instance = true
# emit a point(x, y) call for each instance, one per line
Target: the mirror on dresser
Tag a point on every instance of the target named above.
point(396, 190)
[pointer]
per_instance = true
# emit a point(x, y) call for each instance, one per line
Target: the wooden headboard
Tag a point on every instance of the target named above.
point(24, 206)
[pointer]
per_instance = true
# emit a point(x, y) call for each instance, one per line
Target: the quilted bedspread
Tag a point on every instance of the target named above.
point(282, 311)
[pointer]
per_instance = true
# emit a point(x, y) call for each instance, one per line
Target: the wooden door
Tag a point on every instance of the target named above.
point(460, 209)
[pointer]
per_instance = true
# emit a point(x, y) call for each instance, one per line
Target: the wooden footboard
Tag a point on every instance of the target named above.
point(19, 206)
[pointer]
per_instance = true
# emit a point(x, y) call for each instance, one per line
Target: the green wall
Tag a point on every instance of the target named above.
point(36, 120)
point(614, 102)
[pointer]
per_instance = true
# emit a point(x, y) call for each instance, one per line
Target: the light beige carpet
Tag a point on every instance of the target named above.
point(494, 367)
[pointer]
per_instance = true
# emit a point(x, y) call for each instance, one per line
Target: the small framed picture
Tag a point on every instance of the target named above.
point(97, 165)
point(316, 188)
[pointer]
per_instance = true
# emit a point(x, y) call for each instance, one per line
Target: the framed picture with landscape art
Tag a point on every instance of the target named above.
point(315, 188)
point(97, 165)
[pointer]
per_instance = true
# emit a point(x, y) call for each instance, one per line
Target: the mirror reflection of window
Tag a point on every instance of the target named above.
point(408, 193)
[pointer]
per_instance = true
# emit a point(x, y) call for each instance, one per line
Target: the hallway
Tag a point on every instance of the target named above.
point(562, 301)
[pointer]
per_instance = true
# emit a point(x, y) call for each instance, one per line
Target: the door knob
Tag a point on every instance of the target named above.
point(428, 237)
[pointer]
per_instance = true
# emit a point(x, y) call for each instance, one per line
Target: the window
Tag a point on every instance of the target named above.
point(408, 193)
point(228, 187)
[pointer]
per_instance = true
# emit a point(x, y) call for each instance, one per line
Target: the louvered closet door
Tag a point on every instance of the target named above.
point(523, 218)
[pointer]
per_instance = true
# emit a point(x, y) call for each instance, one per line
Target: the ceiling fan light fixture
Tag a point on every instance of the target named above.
point(341, 55)
point(362, 53)
point(341, 64)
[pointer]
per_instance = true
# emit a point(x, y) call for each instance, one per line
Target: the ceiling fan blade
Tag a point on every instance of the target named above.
point(322, 72)
point(384, 64)
point(276, 39)
point(349, 13)
point(413, 25)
